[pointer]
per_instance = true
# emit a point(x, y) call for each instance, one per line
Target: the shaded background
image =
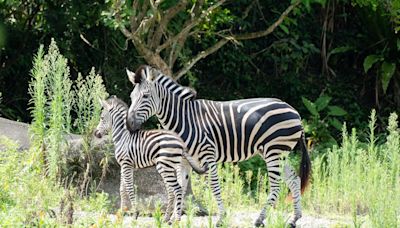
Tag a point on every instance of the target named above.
point(321, 49)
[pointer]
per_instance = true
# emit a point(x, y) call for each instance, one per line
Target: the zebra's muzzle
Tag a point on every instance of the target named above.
point(97, 134)
point(130, 124)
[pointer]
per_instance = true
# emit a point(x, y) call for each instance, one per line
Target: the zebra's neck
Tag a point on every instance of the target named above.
point(119, 131)
point(177, 105)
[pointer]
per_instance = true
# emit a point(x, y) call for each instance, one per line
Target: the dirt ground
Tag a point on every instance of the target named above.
point(236, 220)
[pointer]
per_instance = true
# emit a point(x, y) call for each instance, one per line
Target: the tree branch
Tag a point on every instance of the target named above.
point(199, 56)
point(187, 29)
point(270, 29)
point(225, 40)
point(134, 20)
point(165, 19)
point(121, 27)
point(177, 47)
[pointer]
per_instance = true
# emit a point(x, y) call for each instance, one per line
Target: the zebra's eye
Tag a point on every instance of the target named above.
point(145, 96)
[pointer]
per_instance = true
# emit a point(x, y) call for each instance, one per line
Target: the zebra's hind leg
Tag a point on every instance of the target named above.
point(216, 190)
point(170, 205)
point(273, 161)
point(173, 188)
point(294, 184)
point(182, 173)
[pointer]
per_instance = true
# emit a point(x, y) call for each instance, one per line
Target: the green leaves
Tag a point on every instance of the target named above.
point(387, 71)
point(322, 102)
point(310, 106)
point(324, 117)
point(370, 60)
point(336, 111)
point(336, 124)
point(315, 107)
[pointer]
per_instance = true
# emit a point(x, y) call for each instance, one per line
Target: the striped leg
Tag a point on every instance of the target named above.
point(216, 189)
point(273, 161)
point(125, 202)
point(183, 175)
point(170, 204)
point(127, 174)
point(173, 188)
point(294, 184)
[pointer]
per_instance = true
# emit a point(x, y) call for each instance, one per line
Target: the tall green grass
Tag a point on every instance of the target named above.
point(54, 101)
point(360, 179)
point(27, 198)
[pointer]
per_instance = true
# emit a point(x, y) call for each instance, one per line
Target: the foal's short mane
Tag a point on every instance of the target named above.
point(115, 101)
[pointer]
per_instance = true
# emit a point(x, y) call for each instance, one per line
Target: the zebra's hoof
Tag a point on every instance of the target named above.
point(219, 223)
point(136, 215)
point(291, 225)
point(167, 219)
point(259, 223)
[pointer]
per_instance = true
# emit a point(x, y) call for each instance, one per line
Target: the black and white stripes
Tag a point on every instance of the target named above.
point(140, 149)
point(229, 131)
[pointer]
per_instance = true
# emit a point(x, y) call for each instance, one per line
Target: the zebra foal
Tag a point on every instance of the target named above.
point(140, 149)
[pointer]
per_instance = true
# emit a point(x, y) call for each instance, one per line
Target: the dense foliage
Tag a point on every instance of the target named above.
point(343, 49)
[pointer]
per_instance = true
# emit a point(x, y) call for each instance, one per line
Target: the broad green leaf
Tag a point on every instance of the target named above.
point(310, 106)
point(336, 123)
point(322, 102)
point(342, 49)
point(284, 28)
point(336, 111)
point(387, 71)
point(370, 60)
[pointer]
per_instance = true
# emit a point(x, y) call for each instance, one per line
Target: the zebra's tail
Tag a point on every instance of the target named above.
point(194, 164)
point(305, 164)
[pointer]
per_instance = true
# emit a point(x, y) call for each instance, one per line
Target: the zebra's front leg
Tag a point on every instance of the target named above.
point(274, 178)
point(294, 183)
point(125, 202)
point(127, 174)
point(216, 190)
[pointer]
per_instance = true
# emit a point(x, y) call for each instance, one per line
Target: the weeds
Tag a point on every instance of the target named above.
point(358, 181)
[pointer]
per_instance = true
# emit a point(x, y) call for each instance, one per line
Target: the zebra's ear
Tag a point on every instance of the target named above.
point(104, 104)
point(131, 76)
point(150, 72)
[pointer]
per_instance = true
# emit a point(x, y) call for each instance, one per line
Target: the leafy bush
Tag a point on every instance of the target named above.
point(323, 118)
point(55, 100)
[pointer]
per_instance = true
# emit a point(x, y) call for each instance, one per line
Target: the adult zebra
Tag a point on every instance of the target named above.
point(140, 149)
point(228, 131)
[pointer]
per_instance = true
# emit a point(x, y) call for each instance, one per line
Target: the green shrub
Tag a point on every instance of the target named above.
point(364, 182)
point(55, 100)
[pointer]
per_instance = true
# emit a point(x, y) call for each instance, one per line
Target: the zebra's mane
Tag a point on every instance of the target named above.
point(188, 92)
